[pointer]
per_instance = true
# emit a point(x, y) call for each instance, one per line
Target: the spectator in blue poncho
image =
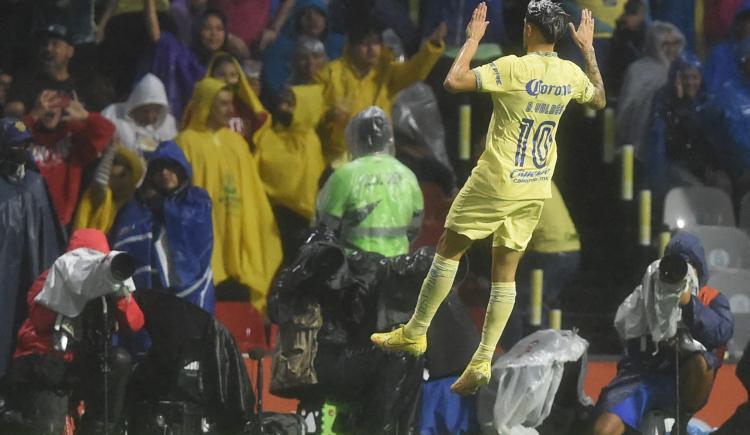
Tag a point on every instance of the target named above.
point(679, 152)
point(728, 116)
point(167, 228)
point(721, 63)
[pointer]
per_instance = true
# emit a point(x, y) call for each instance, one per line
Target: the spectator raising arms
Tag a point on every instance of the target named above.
point(66, 139)
point(366, 76)
point(117, 175)
point(247, 247)
point(167, 229)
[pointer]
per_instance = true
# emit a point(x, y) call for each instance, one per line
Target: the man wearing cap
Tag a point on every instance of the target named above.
point(672, 322)
point(52, 72)
point(373, 203)
point(29, 236)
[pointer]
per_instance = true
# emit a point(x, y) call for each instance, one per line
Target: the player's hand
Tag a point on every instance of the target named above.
point(75, 112)
point(478, 24)
point(584, 35)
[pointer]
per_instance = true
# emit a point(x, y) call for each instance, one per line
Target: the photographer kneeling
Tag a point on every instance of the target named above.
point(64, 346)
point(675, 329)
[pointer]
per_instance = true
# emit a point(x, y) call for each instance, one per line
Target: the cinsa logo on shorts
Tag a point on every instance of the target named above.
point(537, 87)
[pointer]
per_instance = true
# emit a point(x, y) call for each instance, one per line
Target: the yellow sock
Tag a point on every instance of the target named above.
point(435, 288)
point(502, 299)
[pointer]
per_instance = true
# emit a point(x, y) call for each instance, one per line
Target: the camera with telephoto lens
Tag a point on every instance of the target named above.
point(672, 272)
point(90, 325)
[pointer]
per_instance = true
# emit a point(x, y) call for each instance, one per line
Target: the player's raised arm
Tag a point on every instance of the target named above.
point(460, 78)
point(584, 39)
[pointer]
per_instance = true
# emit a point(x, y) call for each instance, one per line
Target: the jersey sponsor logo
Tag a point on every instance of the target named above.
point(523, 176)
point(536, 87)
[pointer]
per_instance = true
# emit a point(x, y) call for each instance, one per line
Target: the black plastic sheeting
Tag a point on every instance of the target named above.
point(356, 291)
point(182, 333)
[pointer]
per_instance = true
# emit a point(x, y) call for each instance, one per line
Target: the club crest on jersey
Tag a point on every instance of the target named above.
point(536, 87)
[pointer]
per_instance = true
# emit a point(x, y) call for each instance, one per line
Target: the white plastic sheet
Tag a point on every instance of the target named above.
point(525, 381)
point(652, 309)
point(77, 277)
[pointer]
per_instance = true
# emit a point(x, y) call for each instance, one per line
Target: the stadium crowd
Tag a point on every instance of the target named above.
point(207, 138)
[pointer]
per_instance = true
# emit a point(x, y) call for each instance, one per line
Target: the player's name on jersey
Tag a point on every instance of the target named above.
point(545, 108)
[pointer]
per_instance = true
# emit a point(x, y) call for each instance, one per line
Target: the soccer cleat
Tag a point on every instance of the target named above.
point(474, 376)
point(396, 341)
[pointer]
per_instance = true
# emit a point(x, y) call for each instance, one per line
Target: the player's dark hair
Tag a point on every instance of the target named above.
point(548, 17)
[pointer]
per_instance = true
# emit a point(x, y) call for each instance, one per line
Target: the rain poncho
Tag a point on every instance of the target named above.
point(291, 158)
point(250, 115)
point(346, 89)
point(177, 67)
point(643, 78)
point(247, 246)
point(29, 243)
point(728, 114)
point(172, 247)
point(277, 57)
point(142, 139)
point(677, 134)
point(373, 203)
point(721, 64)
point(98, 206)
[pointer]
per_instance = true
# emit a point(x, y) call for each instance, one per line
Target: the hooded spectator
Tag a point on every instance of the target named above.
point(309, 57)
point(30, 233)
point(727, 117)
point(143, 121)
point(644, 77)
point(290, 160)
point(248, 115)
point(679, 152)
point(246, 240)
point(66, 138)
point(309, 22)
point(167, 229)
point(721, 64)
point(367, 75)
point(117, 175)
point(374, 202)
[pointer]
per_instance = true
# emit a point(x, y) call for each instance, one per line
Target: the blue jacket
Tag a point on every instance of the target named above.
point(277, 59)
point(721, 63)
point(182, 265)
point(729, 115)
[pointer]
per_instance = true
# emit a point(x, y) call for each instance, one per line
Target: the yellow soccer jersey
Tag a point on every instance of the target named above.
point(529, 94)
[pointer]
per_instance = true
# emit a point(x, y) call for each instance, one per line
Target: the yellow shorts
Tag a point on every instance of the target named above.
point(512, 222)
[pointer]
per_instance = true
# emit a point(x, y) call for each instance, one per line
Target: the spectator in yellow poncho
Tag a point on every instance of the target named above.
point(368, 75)
point(118, 174)
point(291, 160)
point(247, 247)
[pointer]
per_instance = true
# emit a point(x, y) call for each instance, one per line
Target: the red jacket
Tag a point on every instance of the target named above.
point(62, 154)
point(35, 335)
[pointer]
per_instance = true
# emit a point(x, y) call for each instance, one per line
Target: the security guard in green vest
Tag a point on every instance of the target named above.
point(374, 202)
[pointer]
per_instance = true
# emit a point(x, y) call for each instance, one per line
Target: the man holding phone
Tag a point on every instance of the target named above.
point(66, 138)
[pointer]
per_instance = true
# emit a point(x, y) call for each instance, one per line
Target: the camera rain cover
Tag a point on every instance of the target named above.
point(77, 277)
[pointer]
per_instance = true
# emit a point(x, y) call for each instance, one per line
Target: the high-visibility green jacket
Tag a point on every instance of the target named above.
point(374, 204)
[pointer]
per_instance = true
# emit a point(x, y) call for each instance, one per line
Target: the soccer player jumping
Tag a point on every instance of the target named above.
point(506, 190)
